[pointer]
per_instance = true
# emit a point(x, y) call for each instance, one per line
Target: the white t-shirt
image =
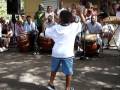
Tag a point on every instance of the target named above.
point(51, 13)
point(118, 13)
point(64, 37)
point(108, 28)
point(29, 27)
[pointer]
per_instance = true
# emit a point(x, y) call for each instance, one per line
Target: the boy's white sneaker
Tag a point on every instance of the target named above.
point(1, 50)
point(4, 48)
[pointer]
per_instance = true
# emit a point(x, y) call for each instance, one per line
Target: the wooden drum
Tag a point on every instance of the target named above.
point(89, 44)
point(112, 20)
point(45, 43)
point(23, 42)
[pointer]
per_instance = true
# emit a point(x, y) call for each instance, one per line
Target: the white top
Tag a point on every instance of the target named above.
point(47, 14)
point(19, 29)
point(118, 13)
point(64, 37)
point(0, 30)
point(29, 27)
point(94, 29)
point(108, 28)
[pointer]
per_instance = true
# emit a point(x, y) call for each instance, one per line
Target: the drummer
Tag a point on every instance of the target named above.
point(31, 29)
point(49, 22)
point(108, 31)
point(94, 27)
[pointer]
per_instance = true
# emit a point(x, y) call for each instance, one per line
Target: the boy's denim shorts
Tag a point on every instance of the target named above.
point(66, 64)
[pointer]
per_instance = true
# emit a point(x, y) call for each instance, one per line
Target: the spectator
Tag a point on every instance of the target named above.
point(39, 18)
point(49, 12)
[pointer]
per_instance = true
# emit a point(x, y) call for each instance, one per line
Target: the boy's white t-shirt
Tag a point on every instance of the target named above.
point(64, 38)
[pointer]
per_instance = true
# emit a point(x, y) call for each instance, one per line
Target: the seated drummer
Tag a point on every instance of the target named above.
point(108, 31)
point(7, 33)
point(95, 27)
point(31, 29)
point(19, 28)
point(49, 22)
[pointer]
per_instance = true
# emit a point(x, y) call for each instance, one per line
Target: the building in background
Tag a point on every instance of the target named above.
point(3, 8)
point(31, 8)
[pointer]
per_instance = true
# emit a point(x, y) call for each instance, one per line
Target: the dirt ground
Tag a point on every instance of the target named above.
point(25, 71)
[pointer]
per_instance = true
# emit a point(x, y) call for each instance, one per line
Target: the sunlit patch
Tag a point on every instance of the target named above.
point(1, 62)
point(100, 83)
point(117, 86)
point(14, 63)
point(12, 76)
point(34, 69)
point(3, 85)
point(90, 69)
point(117, 66)
point(29, 78)
point(106, 69)
point(109, 73)
point(3, 70)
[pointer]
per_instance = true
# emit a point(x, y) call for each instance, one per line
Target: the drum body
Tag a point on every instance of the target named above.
point(45, 43)
point(23, 42)
point(89, 44)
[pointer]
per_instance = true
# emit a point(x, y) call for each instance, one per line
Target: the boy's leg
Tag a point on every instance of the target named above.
point(67, 68)
point(68, 82)
point(52, 77)
point(55, 64)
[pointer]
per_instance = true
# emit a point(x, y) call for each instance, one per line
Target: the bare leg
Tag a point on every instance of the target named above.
point(68, 82)
point(52, 77)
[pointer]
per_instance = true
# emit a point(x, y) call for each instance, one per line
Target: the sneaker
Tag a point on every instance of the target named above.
point(71, 88)
point(4, 48)
point(34, 53)
point(38, 53)
point(1, 50)
point(50, 87)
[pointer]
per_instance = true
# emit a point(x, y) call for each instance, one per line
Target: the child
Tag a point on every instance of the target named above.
point(63, 35)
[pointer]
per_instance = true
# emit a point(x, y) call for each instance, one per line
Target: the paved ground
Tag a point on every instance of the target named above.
point(24, 71)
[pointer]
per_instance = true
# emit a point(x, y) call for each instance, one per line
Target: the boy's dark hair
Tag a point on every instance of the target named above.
point(66, 17)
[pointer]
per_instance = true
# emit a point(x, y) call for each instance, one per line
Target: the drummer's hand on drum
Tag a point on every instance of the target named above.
point(42, 34)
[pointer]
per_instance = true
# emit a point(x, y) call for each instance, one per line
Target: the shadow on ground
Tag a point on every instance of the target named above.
point(16, 85)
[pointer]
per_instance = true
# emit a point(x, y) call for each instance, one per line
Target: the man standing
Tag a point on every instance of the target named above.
point(39, 18)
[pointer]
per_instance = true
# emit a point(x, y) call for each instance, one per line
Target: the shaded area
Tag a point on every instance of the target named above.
point(24, 71)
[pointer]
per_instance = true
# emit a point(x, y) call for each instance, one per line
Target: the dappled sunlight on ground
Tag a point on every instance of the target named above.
point(24, 71)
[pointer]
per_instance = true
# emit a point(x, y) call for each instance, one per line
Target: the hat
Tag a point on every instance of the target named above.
point(41, 5)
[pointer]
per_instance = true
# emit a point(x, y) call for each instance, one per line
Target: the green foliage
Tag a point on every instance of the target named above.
point(3, 8)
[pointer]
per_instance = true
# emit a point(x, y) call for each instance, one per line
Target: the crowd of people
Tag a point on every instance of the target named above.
point(50, 17)
point(64, 26)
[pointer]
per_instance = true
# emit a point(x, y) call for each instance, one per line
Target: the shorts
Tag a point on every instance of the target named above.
point(66, 64)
